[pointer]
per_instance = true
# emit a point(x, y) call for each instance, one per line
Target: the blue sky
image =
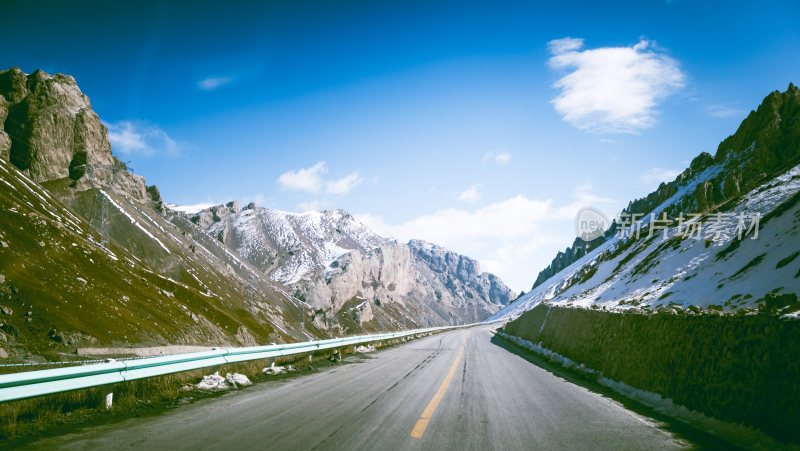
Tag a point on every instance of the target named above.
point(482, 127)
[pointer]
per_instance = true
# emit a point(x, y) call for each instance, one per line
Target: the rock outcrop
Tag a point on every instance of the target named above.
point(461, 274)
point(766, 143)
point(570, 255)
point(427, 282)
point(48, 130)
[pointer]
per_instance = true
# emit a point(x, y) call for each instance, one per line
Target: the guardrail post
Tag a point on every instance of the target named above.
point(109, 400)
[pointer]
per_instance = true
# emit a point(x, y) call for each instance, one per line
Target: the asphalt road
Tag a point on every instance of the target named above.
point(456, 390)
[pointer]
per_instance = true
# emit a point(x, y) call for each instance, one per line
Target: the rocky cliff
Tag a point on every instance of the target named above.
point(48, 130)
point(427, 283)
point(766, 144)
point(570, 255)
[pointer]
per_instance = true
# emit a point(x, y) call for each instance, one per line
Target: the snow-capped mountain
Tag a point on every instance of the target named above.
point(287, 246)
point(730, 242)
point(331, 260)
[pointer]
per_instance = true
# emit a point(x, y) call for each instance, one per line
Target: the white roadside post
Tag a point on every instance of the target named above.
point(109, 399)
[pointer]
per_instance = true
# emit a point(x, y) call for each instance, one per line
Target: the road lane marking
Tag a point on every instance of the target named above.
point(422, 423)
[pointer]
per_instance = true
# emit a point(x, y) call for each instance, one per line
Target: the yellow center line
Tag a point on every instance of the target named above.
point(422, 423)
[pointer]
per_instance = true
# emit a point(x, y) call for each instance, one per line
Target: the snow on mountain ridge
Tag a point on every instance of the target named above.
point(285, 245)
point(689, 272)
point(190, 209)
point(334, 263)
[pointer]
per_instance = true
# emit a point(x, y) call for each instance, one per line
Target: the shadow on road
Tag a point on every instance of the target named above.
point(683, 431)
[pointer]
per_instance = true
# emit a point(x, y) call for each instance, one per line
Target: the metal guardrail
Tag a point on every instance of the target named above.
point(44, 382)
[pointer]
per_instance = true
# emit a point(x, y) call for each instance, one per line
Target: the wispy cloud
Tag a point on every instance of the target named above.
point(142, 138)
point(585, 195)
point(723, 111)
point(472, 194)
point(612, 89)
point(212, 83)
point(655, 176)
point(564, 45)
point(312, 205)
point(499, 157)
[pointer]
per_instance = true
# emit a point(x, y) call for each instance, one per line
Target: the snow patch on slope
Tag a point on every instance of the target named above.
point(652, 274)
point(134, 222)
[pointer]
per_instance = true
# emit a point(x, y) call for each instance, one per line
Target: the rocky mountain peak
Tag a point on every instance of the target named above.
point(48, 128)
point(445, 261)
point(205, 218)
point(771, 133)
point(13, 84)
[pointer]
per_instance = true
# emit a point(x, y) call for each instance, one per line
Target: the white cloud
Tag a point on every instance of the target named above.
point(499, 157)
point(313, 205)
point(141, 138)
point(515, 238)
point(585, 194)
point(472, 194)
point(343, 185)
point(308, 179)
point(655, 176)
point(612, 89)
point(723, 111)
point(513, 217)
point(212, 83)
point(563, 45)
point(311, 180)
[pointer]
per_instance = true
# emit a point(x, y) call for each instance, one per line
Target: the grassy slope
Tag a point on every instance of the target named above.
point(137, 293)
